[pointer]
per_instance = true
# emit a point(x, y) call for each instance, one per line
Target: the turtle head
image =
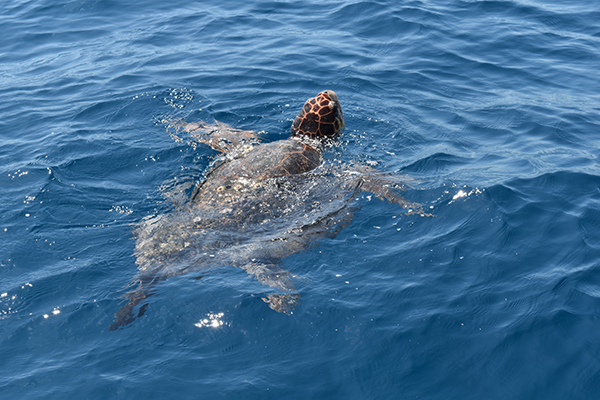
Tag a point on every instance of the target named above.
point(320, 117)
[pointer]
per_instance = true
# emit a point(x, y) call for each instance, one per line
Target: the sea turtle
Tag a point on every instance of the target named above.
point(261, 203)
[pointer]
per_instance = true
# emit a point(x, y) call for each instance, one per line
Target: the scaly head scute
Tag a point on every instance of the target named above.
point(320, 117)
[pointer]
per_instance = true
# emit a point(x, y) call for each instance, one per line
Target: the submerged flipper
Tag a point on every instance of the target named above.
point(387, 186)
point(126, 314)
point(274, 276)
point(268, 274)
point(220, 136)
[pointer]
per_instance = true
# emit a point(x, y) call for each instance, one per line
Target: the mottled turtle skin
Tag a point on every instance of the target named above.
point(321, 117)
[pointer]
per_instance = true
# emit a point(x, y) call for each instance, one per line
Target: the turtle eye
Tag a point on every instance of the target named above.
point(331, 105)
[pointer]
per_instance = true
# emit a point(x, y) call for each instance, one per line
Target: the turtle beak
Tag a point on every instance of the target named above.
point(334, 105)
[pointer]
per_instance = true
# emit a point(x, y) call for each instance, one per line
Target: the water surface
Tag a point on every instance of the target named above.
point(490, 109)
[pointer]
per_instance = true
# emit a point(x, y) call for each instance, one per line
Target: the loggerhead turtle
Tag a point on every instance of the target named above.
point(261, 203)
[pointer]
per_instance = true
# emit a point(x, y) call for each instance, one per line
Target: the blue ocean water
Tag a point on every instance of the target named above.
point(490, 111)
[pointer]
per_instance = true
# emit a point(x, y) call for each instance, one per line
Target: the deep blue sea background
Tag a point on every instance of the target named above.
point(492, 108)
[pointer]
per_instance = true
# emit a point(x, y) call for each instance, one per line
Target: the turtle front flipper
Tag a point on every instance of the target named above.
point(387, 186)
point(274, 276)
point(219, 136)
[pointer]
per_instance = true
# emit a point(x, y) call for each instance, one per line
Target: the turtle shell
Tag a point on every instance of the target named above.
point(321, 117)
point(238, 177)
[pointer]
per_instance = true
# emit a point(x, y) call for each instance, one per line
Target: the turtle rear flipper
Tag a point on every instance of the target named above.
point(283, 303)
point(274, 276)
point(126, 315)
